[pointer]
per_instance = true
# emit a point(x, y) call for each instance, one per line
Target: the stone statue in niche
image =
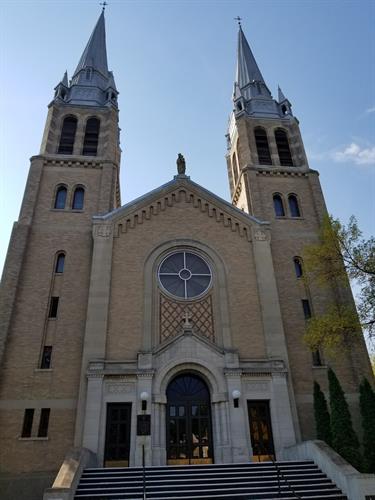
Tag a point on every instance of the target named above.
point(181, 164)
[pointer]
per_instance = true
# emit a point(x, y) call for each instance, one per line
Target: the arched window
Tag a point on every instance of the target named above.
point(298, 267)
point(278, 205)
point(78, 198)
point(283, 148)
point(68, 133)
point(235, 167)
point(264, 156)
point(60, 262)
point(90, 142)
point(293, 206)
point(60, 198)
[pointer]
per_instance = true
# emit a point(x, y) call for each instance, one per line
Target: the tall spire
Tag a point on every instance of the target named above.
point(95, 54)
point(251, 94)
point(92, 84)
point(247, 68)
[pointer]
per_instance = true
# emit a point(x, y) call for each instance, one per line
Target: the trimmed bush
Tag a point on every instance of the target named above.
point(322, 418)
point(367, 406)
point(344, 439)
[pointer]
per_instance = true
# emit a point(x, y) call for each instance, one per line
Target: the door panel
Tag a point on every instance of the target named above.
point(117, 439)
point(261, 430)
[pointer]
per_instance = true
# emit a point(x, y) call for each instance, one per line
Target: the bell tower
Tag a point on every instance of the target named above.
point(264, 142)
point(74, 177)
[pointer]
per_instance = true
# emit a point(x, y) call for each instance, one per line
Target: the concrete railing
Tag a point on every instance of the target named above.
point(67, 479)
point(355, 485)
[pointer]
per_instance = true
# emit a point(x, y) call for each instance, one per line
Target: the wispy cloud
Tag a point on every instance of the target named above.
point(371, 110)
point(355, 153)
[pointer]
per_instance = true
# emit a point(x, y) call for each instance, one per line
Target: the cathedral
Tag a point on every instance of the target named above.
point(168, 330)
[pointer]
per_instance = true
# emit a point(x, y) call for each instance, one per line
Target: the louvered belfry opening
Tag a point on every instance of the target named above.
point(283, 149)
point(68, 134)
point(90, 143)
point(261, 140)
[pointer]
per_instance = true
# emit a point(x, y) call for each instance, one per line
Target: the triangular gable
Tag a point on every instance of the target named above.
point(180, 190)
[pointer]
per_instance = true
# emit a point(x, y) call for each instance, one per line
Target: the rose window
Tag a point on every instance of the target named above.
point(184, 275)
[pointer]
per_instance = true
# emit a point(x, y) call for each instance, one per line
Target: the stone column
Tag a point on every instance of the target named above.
point(158, 426)
point(281, 415)
point(91, 429)
point(237, 419)
point(144, 384)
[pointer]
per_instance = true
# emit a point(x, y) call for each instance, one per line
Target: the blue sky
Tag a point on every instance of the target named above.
point(174, 63)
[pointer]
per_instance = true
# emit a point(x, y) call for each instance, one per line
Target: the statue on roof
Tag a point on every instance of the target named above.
point(181, 164)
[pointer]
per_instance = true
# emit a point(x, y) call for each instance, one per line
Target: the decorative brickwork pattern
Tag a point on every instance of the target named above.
point(172, 314)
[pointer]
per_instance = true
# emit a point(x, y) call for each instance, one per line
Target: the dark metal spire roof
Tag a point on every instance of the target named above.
point(95, 54)
point(92, 84)
point(247, 68)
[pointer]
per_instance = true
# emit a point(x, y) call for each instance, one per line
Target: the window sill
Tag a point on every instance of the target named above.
point(37, 370)
point(33, 438)
point(68, 210)
point(284, 217)
point(320, 367)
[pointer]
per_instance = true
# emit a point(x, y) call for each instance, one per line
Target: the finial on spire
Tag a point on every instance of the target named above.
point(238, 19)
point(104, 4)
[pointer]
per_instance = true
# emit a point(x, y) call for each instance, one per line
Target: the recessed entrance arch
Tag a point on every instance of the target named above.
point(189, 435)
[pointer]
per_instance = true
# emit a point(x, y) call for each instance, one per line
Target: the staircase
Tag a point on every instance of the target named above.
point(247, 481)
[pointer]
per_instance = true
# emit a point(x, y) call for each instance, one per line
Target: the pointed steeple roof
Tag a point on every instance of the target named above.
point(64, 80)
point(247, 68)
point(281, 96)
point(95, 54)
point(92, 79)
point(251, 95)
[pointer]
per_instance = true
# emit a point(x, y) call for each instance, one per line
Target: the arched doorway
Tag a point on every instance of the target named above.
point(189, 436)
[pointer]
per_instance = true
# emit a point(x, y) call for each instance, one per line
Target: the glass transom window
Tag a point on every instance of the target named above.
point(184, 275)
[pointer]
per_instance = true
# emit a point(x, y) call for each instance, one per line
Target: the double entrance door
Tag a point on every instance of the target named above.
point(189, 437)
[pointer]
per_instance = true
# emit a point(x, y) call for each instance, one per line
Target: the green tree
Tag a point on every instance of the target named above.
point(344, 439)
point(341, 253)
point(367, 405)
point(322, 418)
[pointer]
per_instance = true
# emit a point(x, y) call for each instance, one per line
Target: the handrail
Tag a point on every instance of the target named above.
point(280, 474)
point(144, 472)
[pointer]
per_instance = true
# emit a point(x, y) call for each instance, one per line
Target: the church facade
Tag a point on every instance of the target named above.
point(171, 326)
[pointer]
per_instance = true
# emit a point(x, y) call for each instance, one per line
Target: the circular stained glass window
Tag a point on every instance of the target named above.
point(184, 275)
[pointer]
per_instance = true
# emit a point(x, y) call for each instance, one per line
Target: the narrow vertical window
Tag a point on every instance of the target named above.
point(298, 267)
point(293, 206)
point(316, 358)
point(306, 308)
point(27, 423)
point(90, 142)
point(283, 149)
point(53, 307)
point(60, 198)
point(261, 141)
point(235, 168)
point(46, 357)
point(68, 133)
point(78, 198)
point(278, 205)
point(60, 262)
point(43, 422)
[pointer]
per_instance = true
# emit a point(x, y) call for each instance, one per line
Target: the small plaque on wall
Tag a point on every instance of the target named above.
point(143, 425)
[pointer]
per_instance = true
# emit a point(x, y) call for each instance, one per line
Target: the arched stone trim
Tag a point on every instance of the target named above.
point(212, 377)
point(220, 296)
